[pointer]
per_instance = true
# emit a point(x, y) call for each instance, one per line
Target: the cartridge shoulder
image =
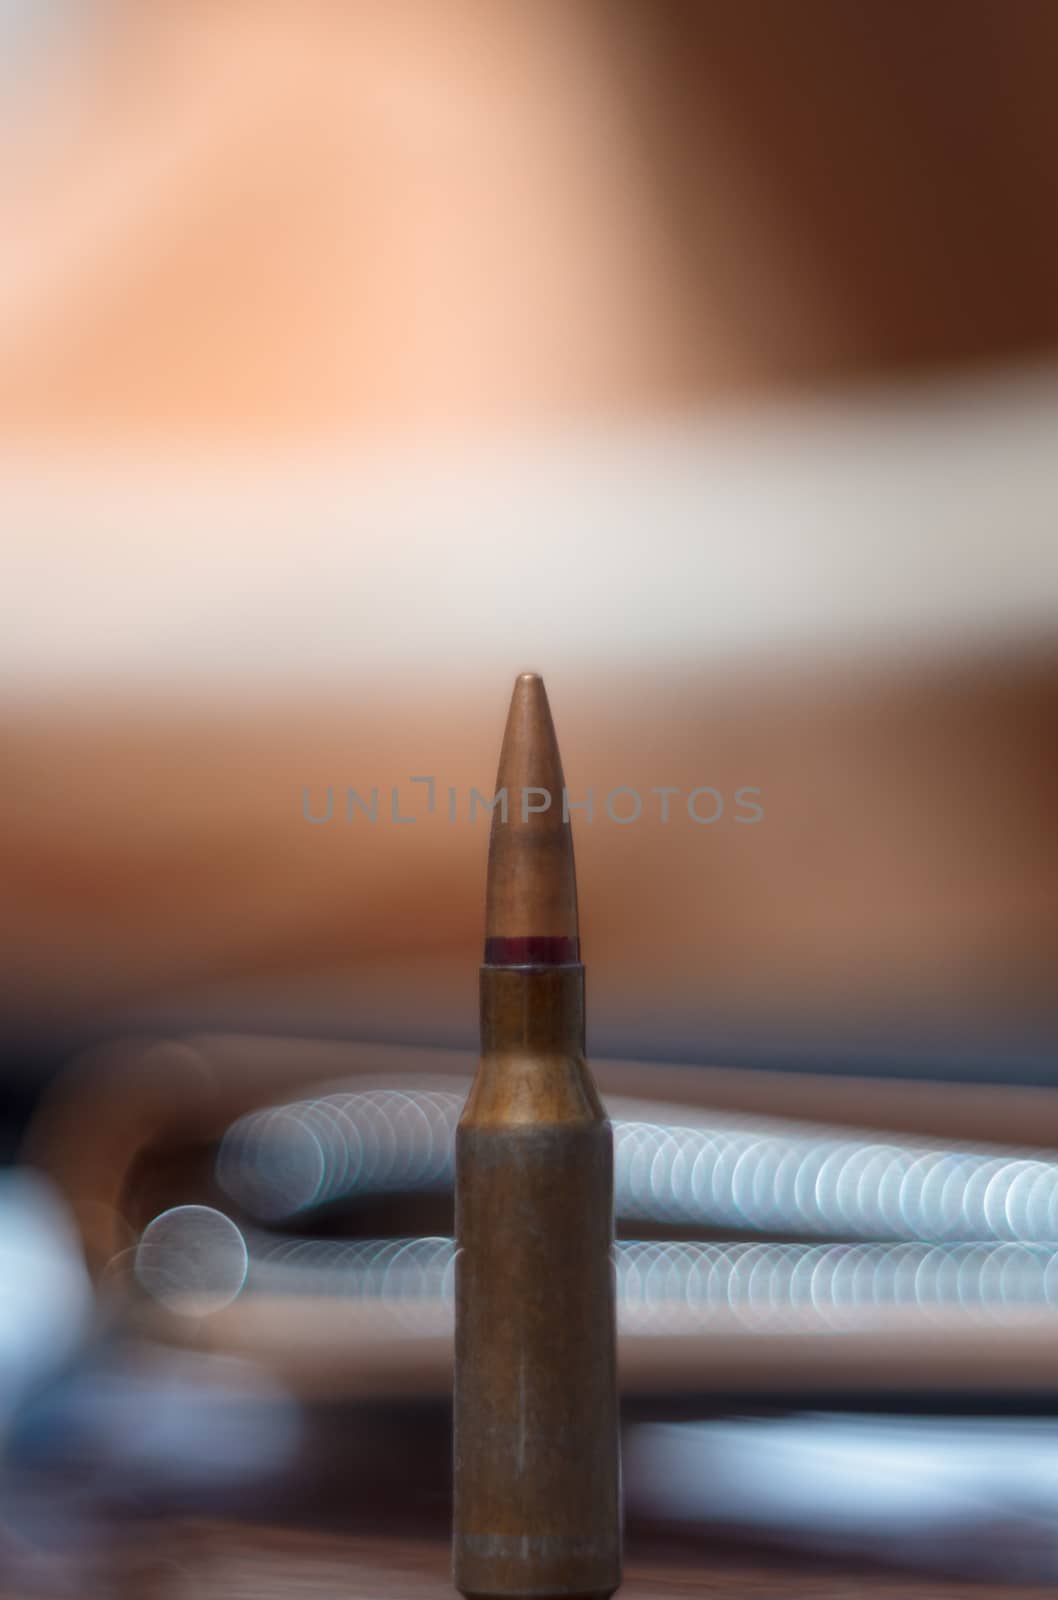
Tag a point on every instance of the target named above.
point(520, 1090)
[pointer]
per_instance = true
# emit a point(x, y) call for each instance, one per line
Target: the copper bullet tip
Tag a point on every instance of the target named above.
point(531, 889)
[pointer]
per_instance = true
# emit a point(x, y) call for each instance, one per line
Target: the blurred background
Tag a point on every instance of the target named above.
point(701, 357)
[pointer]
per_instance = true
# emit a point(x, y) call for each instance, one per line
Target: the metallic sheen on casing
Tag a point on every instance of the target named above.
point(537, 1482)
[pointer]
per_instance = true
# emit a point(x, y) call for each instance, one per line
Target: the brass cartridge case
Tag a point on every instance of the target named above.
point(537, 1480)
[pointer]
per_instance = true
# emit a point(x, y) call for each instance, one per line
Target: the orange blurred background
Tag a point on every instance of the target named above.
point(355, 358)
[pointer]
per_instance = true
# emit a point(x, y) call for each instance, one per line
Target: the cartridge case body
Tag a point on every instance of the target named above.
point(537, 1490)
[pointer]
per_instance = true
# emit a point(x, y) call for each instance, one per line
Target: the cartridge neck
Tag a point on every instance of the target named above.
point(533, 1009)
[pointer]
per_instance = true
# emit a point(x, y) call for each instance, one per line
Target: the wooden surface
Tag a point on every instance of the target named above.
point(207, 1560)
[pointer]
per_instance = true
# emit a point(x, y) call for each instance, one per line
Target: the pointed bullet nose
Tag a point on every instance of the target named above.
point(528, 703)
point(531, 893)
